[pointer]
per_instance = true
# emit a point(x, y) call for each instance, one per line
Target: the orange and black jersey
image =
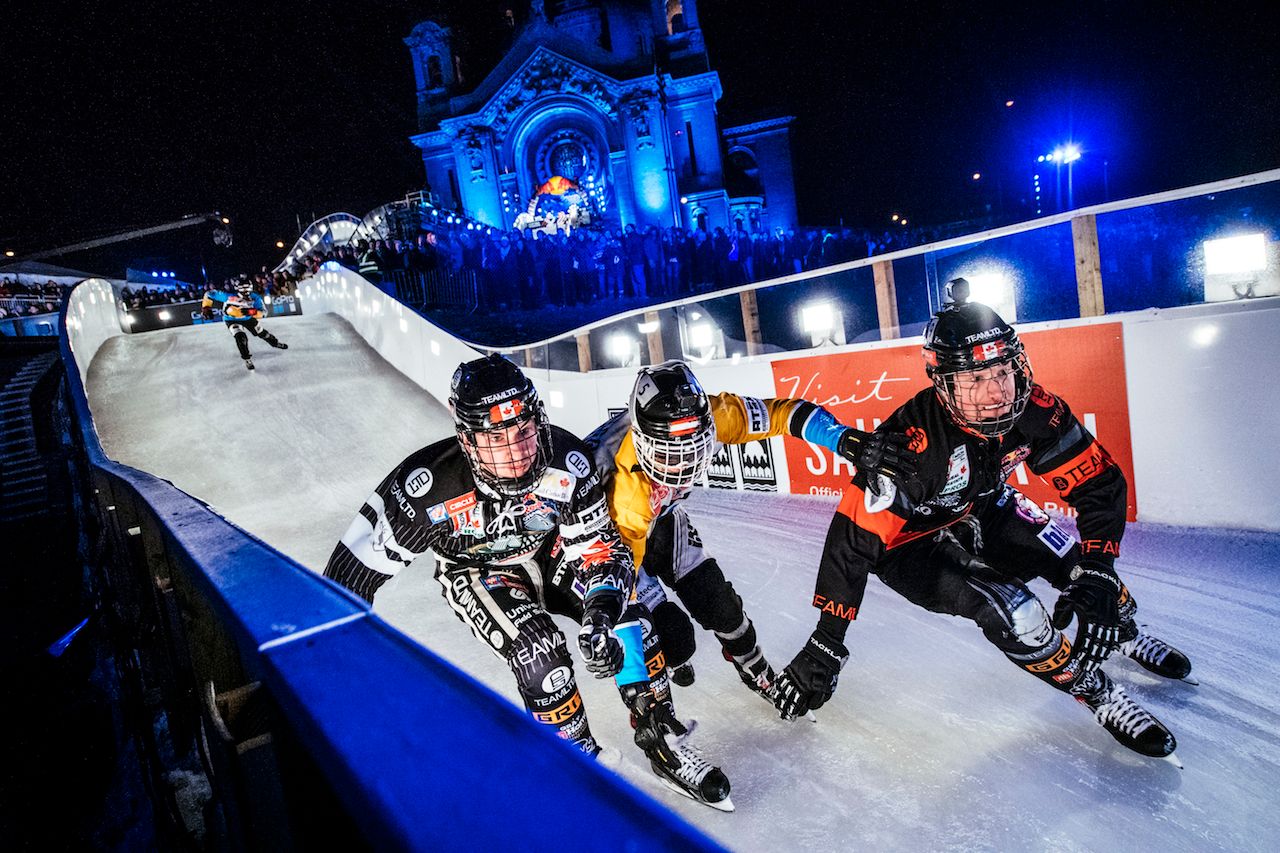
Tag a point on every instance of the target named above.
point(958, 473)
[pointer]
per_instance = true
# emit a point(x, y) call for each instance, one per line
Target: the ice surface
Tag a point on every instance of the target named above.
point(934, 741)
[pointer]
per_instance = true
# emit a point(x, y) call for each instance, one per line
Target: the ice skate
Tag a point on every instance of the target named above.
point(1155, 655)
point(678, 765)
point(683, 675)
point(248, 363)
point(754, 670)
point(1126, 720)
point(278, 344)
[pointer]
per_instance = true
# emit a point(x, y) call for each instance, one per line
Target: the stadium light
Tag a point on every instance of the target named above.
point(226, 221)
point(817, 318)
point(1236, 268)
point(701, 336)
point(556, 399)
point(1070, 152)
point(1232, 255)
point(995, 290)
point(977, 175)
point(8, 253)
point(164, 316)
point(621, 347)
point(648, 328)
point(279, 244)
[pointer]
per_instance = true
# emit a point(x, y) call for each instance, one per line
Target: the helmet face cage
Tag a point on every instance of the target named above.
point(505, 435)
point(671, 425)
point(244, 288)
point(675, 463)
point(966, 338)
point(953, 396)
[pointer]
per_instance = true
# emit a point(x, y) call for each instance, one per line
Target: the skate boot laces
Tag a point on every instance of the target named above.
point(1115, 709)
point(1146, 648)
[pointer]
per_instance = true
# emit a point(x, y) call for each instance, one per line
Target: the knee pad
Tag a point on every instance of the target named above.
point(675, 630)
point(1015, 619)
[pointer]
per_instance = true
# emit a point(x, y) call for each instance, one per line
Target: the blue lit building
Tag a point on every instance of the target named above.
point(613, 100)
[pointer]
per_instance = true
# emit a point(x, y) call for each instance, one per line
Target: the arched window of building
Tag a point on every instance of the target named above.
point(435, 77)
point(700, 219)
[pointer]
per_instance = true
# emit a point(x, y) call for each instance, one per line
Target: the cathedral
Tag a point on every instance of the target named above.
point(602, 113)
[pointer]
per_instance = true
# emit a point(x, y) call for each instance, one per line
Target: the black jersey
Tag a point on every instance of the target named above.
point(431, 501)
point(958, 473)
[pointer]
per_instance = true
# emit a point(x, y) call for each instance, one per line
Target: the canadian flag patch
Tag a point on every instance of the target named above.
point(506, 411)
point(988, 351)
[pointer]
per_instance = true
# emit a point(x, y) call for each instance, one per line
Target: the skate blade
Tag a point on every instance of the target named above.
point(809, 715)
point(1172, 758)
point(1189, 680)
point(725, 805)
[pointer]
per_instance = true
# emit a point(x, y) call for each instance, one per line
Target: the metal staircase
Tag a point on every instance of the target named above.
point(24, 485)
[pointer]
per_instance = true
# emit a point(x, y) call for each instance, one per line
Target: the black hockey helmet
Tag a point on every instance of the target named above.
point(671, 424)
point(488, 397)
point(963, 342)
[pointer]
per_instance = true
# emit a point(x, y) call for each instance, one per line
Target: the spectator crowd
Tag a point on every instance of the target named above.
point(267, 284)
point(525, 270)
point(18, 299)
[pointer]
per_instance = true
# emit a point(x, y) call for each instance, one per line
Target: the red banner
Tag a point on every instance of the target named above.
point(1083, 364)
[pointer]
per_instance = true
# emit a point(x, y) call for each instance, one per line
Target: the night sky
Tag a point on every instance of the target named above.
point(130, 114)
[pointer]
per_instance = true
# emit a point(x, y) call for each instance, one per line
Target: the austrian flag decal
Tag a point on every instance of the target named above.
point(684, 426)
point(988, 351)
point(506, 411)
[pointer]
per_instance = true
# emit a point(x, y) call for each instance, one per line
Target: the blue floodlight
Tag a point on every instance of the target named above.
point(1040, 159)
point(1070, 152)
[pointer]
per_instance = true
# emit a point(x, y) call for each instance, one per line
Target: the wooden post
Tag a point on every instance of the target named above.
point(751, 322)
point(528, 357)
point(886, 300)
point(584, 352)
point(1084, 239)
point(656, 355)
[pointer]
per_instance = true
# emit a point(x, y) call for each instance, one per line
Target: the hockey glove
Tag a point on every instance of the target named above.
point(1093, 596)
point(878, 453)
point(810, 679)
point(601, 650)
point(206, 313)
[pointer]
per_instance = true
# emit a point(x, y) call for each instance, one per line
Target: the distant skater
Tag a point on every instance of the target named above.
point(240, 312)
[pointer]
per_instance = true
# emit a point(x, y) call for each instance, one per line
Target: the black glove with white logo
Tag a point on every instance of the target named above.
point(810, 679)
point(884, 453)
point(600, 647)
point(1093, 596)
point(206, 313)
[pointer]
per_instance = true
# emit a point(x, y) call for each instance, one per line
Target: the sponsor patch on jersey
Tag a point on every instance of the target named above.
point(1029, 509)
point(469, 522)
point(577, 464)
point(460, 504)
point(1055, 538)
point(437, 513)
point(757, 415)
point(919, 439)
point(538, 514)
point(556, 485)
point(957, 470)
point(418, 483)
